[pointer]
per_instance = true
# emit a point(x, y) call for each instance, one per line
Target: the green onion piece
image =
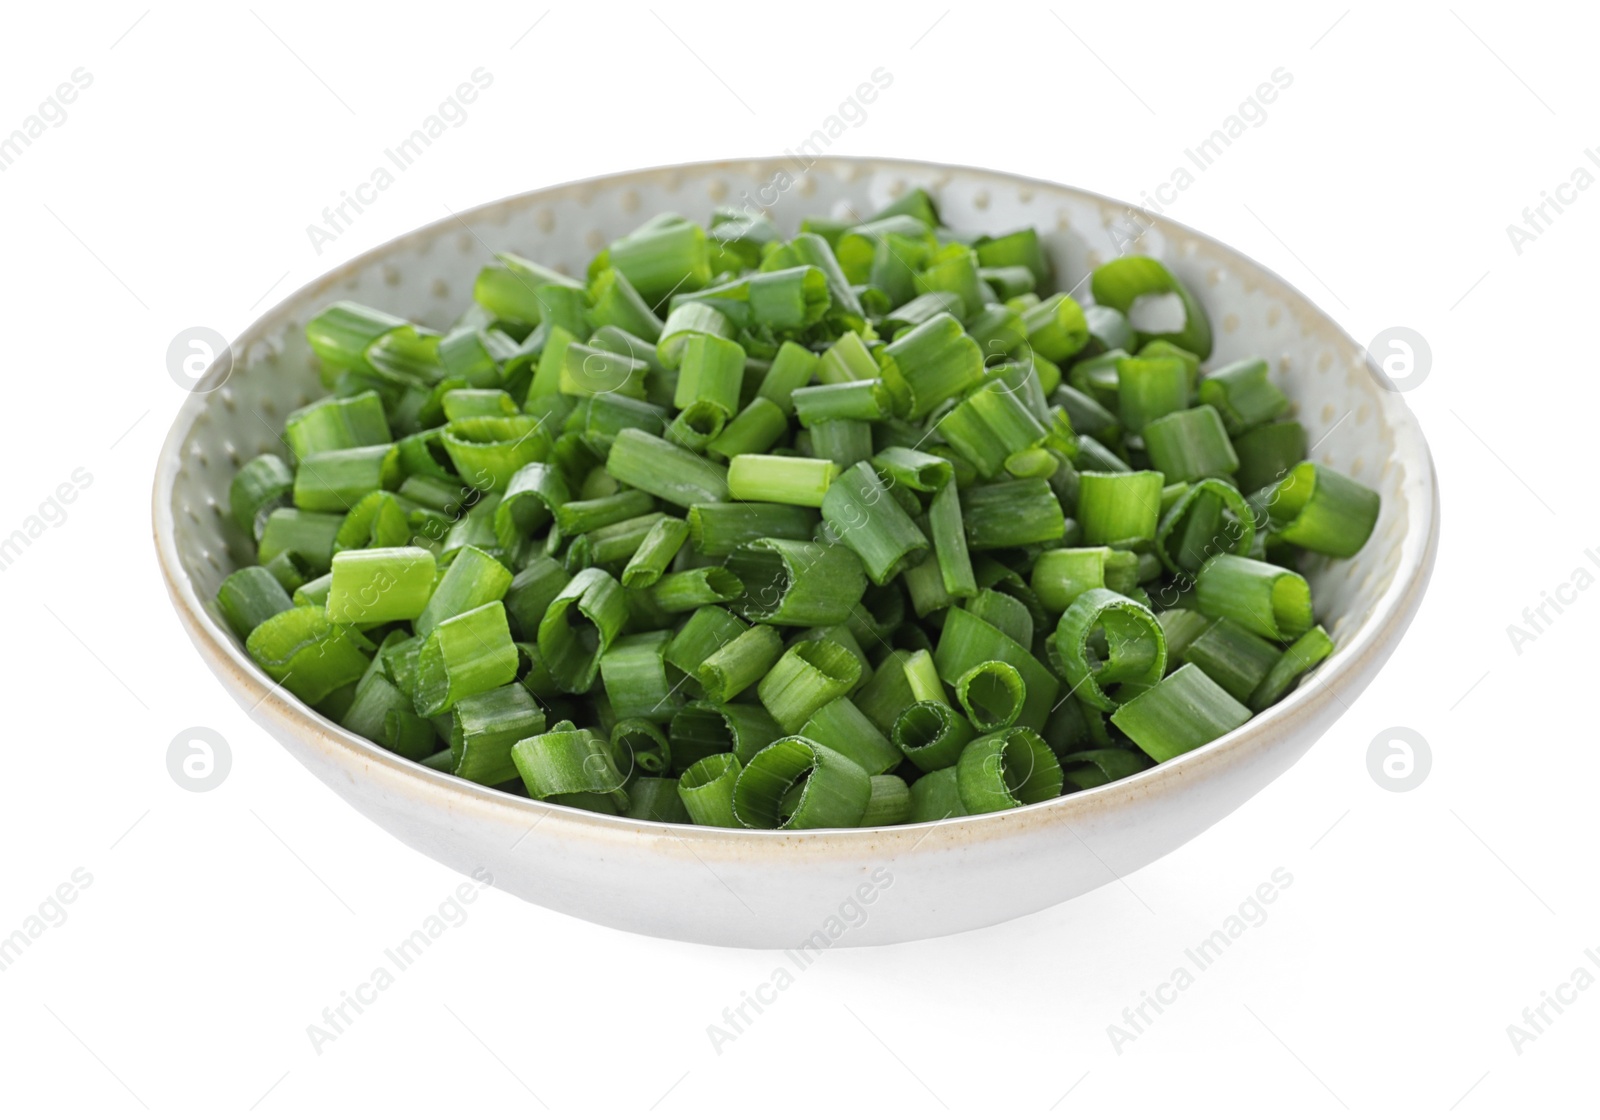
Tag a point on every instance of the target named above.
point(1209, 518)
point(657, 799)
point(848, 359)
point(706, 789)
point(250, 596)
point(702, 634)
point(785, 299)
point(570, 766)
point(687, 321)
point(702, 728)
point(1186, 710)
point(1243, 394)
point(580, 625)
point(1006, 770)
point(712, 371)
point(1018, 248)
point(698, 425)
point(664, 255)
point(842, 400)
point(336, 424)
point(635, 674)
point(310, 656)
point(532, 496)
point(842, 726)
point(472, 579)
point(991, 425)
point(376, 696)
point(262, 485)
point(462, 403)
point(1233, 657)
point(922, 675)
point(756, 429)
point(807, 676)
point(797, 583)
point(1136, 647)
point(860, 509)
point(717, 528)
point(889, 803)
point(531, 592)
point(372, 585)
point(954, 268)
point(937, 797)
point(842, 442)
point(1268, 453)
point(915, 312)
point(333, 481)
point(915, 470)
point(376, 521)
point(342, 333)
point(830, 790)
point(792, 367)
point(1321, 510)
point(613, 302)
point(1062, 574)
point(938, 360)
point(1307, 652)
point(696, 587)
point(1056, 327)
point(1190, 444)
point(739, 663)
point(485, 727)
point(931, 735)
point(1012, 515)
point(655, 552)
point(1265, 599)
point(646, 462)
point(1181, 627)
point(785, 479)
point(587, 371)
point(583, 516)
point(1149, 388)
point(947, 528)
point(888, 693)
point(967, 641)
point(489, 450)
point(1140, 288)
point(1118, 508)
point(1088, 769)
point(463, 656)
point(314, 593)
point(991, 693)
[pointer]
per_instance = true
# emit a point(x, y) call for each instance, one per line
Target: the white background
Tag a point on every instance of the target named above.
point(219, 925)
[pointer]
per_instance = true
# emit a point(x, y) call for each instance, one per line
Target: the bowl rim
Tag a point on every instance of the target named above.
point(1364, 650)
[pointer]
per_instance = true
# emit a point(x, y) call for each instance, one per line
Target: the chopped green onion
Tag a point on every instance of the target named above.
point(797, 583)
point(580, 625)
point(937, 796)
point(1268, 453)
point(866, 518)
point(651, 464)
point(1209, 517)
point(992, 695)
point(1135, 646)
point(250, 596)
point(1006, 770)
point(785, 479)
point(464, 655)
point(1307, 652)
point(1233, 657)
point(1318, 509)
point(739, 664)
point(663, 541)
point(807, 676)
point(841, 725)
point(373, 585)
point(1190, 444)
point(1116, 509)
point(1012, 514)
point(571, 766)
point(485, 727)
point(634, 671)
point(717, 528)
point(706, 789)
point(1263, 598)
point(1243, 394)
point(1184, 711)
point(829, 791)
point(472, 579)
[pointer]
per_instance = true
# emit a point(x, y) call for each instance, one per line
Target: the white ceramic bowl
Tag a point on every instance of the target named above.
point(781, 889)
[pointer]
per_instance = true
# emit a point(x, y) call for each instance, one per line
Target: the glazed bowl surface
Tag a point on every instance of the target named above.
point(785, 889)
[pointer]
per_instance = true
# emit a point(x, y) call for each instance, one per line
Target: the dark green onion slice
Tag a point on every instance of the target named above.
point(739, 663)
point(1186, 710)
point(1118, 508)
point(1265, 599)
point(889, 803)
point(1006, 770)
point(841, 725)
point(797, 583)
point(1268, 453)
point(833, 792)
point(1244, 395)
point(1307, 652)
point(571, 766)
point(1088, 769)
point(860, 509)
point(580, 625)
point(635, 674)
point(463, 656)
point(250, 596)
point(1232, 656)
point(937, 796)
point(640, 747)
point(1190, 444)
point(701, 728)
point(991, 693)
point(706, 789)
point(657, 799)
point(807, 676)
point(1135, 646)
point(1209, 518)
point(717, 528)
point(1318, 509)
point(931, 734)
point(484, 728)
point(967, 641)
point(1060, 575)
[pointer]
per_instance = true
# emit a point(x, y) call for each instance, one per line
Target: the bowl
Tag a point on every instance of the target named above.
point(808, 890)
